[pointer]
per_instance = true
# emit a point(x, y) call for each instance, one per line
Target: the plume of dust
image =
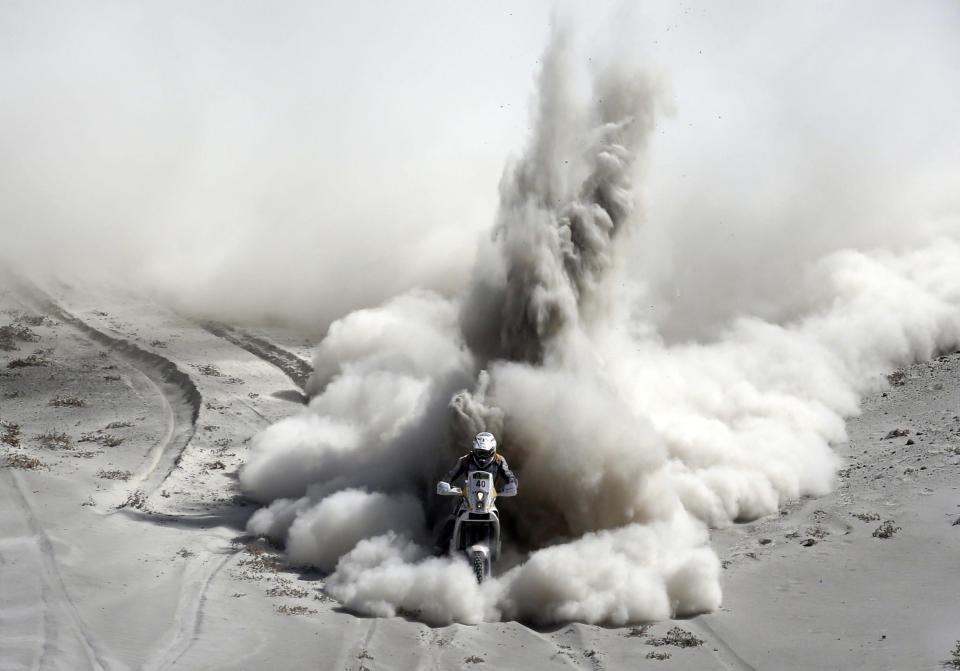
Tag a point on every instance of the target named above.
point(626, 448)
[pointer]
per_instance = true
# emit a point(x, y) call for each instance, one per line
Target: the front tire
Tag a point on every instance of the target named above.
point(480, 567)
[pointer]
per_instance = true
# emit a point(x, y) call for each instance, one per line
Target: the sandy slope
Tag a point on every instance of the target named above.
point(122, 547)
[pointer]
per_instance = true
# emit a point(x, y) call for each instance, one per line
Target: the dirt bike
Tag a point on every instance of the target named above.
point(476, 531)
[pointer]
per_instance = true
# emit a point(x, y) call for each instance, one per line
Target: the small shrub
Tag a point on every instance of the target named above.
point(639, 631)
point(260, 561)
point(885, 530)
point(13, 332)
point(118, 425)
point(295, 610)
point(24, 462)
point(66, 402)
point(55, 440)
point(286, 589)
point(678, 637)
point(897, 378)
point(86, 454)
point(661, 656)
point(208, 369)
point(473, 659)
point(137, 499)
point(11, 434)
point(955, 653)
point(38, 358)
point(867, 517)
point(114, 475)
point(104, 439)
point(32, 320)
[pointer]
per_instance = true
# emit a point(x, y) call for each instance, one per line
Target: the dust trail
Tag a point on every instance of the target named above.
point(628, 448)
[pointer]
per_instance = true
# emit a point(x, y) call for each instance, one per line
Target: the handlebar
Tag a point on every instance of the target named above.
point(444, 489)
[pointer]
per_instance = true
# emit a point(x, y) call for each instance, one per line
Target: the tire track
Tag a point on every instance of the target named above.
point(60, 616)
point(180, 395)
point(727, 655)
point(289, 363)
point(188, 618)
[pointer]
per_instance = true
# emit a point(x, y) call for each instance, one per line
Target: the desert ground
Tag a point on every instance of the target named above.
point(123, 544)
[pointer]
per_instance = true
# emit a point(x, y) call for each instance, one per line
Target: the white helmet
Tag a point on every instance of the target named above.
point(484, 449)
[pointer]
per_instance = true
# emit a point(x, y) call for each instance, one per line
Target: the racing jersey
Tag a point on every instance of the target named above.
point(497, 467)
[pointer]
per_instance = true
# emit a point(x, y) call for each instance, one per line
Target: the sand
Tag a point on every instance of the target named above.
point(122, 542)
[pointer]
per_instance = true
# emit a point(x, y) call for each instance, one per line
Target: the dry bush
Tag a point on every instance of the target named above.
point(955, 653)
point(31, 319)
point(11, 434)
point(208, 369)
point(867, 517)
point(118, 425)
point(678, 637)
point(897, 378)
point(13, 332)
point(295, 610)
point(473, 659)
point(66, 402)
point(104, 439)
point(86, 454)
point(38, 358)
point(114, 475)
point(25, 462)
point(885, 530)
point(287, 589)
point(55, 440)
point(137, 499)
point(261, 560)
point(661, 656)
point(261, 564)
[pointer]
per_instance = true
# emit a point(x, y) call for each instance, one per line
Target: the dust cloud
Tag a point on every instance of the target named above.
point(629, 445)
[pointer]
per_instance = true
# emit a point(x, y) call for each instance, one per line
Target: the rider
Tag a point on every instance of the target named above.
point(482, 457)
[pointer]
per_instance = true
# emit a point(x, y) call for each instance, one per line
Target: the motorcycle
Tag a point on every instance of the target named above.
point(476, 530)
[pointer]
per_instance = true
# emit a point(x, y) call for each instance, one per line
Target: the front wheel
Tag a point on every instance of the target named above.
point(480, 567)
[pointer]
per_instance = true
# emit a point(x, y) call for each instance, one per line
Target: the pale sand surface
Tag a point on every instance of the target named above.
point(125, 547)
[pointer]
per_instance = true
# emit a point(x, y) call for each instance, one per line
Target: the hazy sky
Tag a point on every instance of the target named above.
point(302, 158)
